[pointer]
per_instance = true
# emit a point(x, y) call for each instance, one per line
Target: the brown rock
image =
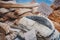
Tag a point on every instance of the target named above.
point(4, 28)
point(55, 16)
point(11, 15)
point(53, 7)
point(22, 11)
point(2, 36)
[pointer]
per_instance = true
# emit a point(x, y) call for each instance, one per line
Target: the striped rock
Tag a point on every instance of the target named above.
point(5, 27)
point(42, 25)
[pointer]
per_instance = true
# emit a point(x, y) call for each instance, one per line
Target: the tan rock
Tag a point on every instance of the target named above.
point(5, 27)
point(11, 36)
point(11, 15)
point(22, 11)
point(2, 36)
point(55, 16)
point(27, 14)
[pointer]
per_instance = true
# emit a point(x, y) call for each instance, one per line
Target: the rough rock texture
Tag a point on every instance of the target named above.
point(11, 23)
point(57, 2)
point(38, 24)
point(55, 16)
point(5, 27)
point(9, 19)
point(3, 10)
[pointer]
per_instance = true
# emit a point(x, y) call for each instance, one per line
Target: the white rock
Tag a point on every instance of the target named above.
point(11, 36)
point(27, 22)
point(3, 10)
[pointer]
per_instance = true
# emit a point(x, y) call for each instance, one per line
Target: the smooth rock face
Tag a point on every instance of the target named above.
point(11, 36)
point(2, 36)
point(43, 29)
point(26, 21)
point(55, 17)
point(24, 24)
point(22, 11)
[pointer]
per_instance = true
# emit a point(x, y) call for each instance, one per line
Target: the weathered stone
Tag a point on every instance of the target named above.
point(55, 16)
point(22, 11)
point(26, 21)
point(57, 25)
point(57, 2)
point(5, 27)
point(35, 9)
point(45, 9)
point(3, 10)
point(11, 15)
point(11, 36)
point(2, 36)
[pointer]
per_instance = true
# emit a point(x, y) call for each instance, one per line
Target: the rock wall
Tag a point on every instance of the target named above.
point(55, 17)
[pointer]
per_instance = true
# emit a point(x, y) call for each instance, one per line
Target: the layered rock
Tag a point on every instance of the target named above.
point(55, 16)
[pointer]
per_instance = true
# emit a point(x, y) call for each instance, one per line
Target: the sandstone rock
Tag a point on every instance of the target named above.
point(26, 21)
point(22, 11)
point(27, 14)
point(5, 27)
point(57, 2)
point(2, 36)
point(45, 9)
point(55, 16)
point(11, 15)
point(11, 36)
point(54, 7)
point(3, 10)
point(57, 25)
